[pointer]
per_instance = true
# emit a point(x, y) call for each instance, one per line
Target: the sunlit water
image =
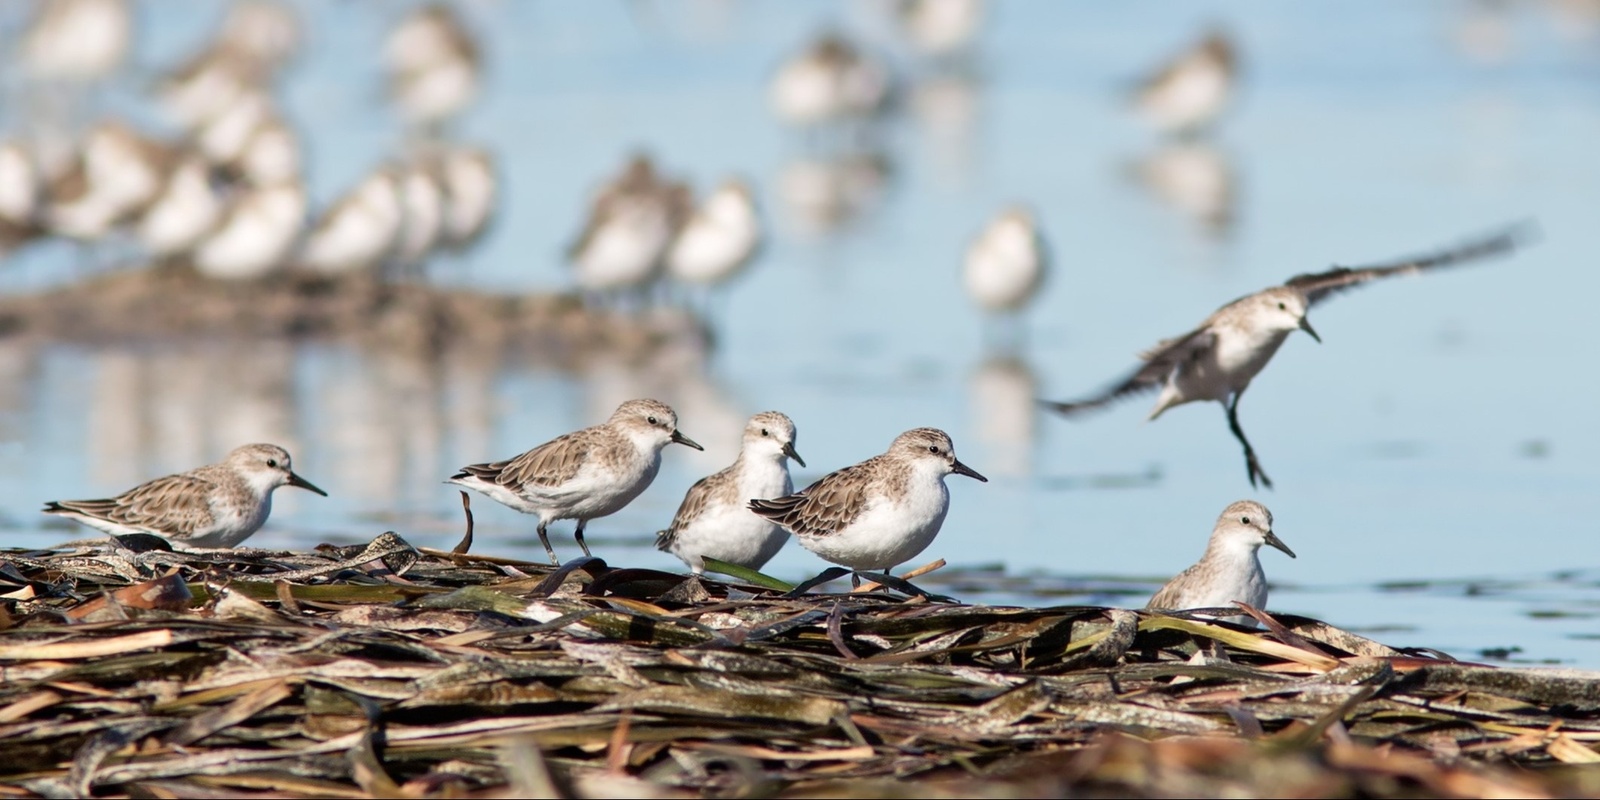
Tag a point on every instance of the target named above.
point(1434, 458)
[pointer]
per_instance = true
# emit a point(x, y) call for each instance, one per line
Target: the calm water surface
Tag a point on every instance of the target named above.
point(1435, 458)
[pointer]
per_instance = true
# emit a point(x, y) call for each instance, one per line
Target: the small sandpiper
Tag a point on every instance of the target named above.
point(1189, 92)
point(257, 236)
point(1006, 263)
point(1231, 568)
point(631, 223)
point(471, 188)
point(433, 63)
point(719, 239)
point(78, 40)
point(1217, 360)
point(585, 474)
point(422, 200)
point(940, 28)
point(879, 513)
point(361, 230)
point(218, 505)
point(189, 206)
point(715, 519)
point(830, 81)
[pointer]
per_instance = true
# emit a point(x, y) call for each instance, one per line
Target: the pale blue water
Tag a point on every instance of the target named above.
point(1444, 432)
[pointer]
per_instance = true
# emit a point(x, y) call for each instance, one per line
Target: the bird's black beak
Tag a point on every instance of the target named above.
point(1305, 325)
point(678, 438)
point(1272, 539)
point(962, 469)
point(788, 450)
point(296, 480)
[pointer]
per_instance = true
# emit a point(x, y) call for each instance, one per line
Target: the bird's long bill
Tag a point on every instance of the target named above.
point(788, 450)
point(679, 438)
point(1272, 539)
point(296, 480)
point(962, 469)
point(1305, 325)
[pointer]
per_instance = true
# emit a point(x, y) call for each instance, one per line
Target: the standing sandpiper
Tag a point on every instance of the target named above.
point(1006, 263)
point(1231, 568)
point(585, 474)
point(715, 520)
point(879, 513)
point(1217, 360)
point(1189, 92)
point(719, 239)
point(218, 505)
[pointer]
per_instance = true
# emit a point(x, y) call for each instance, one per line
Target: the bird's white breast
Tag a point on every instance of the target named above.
point(889, 531)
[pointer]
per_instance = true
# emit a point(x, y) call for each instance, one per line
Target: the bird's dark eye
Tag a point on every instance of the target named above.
point(933, 448)
point(1245, 520)
point(651, 420)
point(764, 432)
point(272, 462)
point(1282, 307)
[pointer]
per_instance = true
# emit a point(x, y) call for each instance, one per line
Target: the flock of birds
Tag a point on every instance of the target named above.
point(228, 198)
point(224, 190)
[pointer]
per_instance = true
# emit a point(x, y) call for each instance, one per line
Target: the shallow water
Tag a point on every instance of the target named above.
point(1433, 458)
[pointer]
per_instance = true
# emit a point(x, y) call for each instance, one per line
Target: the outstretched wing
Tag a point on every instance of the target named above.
point(176, 505)
point(550, 464)
point(1159, 365)
point(824, 507)
point(1320, 285)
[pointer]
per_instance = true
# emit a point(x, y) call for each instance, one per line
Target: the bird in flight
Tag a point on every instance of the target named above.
point(1218, 359)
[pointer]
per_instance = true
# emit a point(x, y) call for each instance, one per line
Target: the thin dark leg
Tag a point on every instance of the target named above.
point(544, 539)
point(855, 579)
point(1250, 462)
point(579, 534)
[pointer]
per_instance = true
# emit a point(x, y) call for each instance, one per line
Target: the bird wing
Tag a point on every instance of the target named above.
point(550, 464)
point(694, 504)
point(1160, 363)
point(1318, 286)
point(176, 505)
point(824, 507)
point(1171, 596)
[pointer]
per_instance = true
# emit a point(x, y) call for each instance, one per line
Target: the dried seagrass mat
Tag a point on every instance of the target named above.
point(384, 671)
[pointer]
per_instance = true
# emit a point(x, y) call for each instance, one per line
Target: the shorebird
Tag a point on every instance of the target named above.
point(360, 230)
point(188, 207)
point(265, 32)
point(714, 519)
point(218, 505)
point(471, 188)
point(831, 80)
point(433, 64)
point(1231, 567)
point(422, 202)
point(719, 239)
point(1189, 92)
point(585, 474)
point(879, 513)
point(631, 223)
point(271, 155)
point(940, 27)
point(1006, 263)
point(1217, 360)
point(78, 40)
point(119, 174)
point(260, 231)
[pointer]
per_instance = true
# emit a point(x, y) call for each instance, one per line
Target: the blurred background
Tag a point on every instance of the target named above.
point(1434, 459)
